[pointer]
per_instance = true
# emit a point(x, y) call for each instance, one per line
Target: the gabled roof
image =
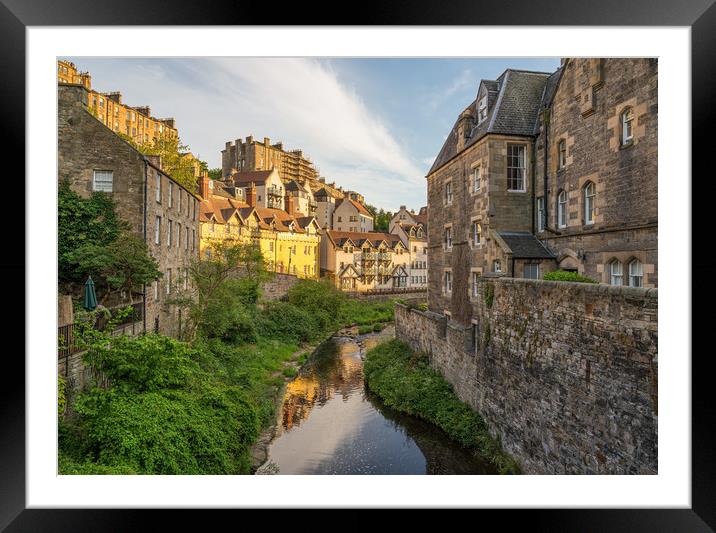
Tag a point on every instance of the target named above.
point(374, 238)
point(359, 206)
point(524, 245)
point(511, 111)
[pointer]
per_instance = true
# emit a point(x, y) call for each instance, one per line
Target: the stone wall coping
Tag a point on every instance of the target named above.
point(596, 288)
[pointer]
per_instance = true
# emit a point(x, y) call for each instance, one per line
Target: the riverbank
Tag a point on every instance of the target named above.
point(405, 382)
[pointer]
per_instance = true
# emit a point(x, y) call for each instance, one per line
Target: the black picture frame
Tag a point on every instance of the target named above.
point(700, 16)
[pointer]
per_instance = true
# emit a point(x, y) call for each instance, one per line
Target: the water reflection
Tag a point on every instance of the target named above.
point(330, 424)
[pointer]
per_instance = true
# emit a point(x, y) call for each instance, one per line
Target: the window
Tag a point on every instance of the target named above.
point(496, 266)
point(102, 180)
point(627, 119)
point(178, 235)
point(159, 188)
point(540, 213)
point(562, 154)
point(475, 179)
point(186, 278)
point(531, 271)
point(615, 273)
point(476, 233)
point(636, 274)
point(156, 290)
point(562, 209)
point(171, 193)
point(448, 192)
point(516, 167)
point(448, 282)
point(169, 233)
point(181, 195)
point(589, 194)
point(157, 229)
point(475, 275)
point(482, 109)
point(169, 281)
point(193, 239)
point(339, 219)
point(186, 238)
point(448, 238)
point(270, 246)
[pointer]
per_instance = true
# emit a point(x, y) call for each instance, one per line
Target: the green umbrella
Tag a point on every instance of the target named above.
point(90, 301)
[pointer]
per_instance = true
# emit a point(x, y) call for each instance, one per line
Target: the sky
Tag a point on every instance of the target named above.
point(371, 125)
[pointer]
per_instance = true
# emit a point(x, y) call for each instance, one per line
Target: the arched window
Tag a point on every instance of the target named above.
point(636, 274)
point(562, 209)
point(626, 122)
point(589, 197)
point(562, 153)
point(615, 273)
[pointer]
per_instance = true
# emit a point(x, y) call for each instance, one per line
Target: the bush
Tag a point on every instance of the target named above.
point(363, 330)
point(378, 327)
point(286, 321)
point(564, 275)
point(290, 372)
point(406, 382)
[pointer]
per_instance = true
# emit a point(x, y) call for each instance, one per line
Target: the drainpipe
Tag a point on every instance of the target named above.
point(144, 231)
point(533, 161)
point(545, 203)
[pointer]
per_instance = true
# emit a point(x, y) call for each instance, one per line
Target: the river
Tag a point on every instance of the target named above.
point(329, 423)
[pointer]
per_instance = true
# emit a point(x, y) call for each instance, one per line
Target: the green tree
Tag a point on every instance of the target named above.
point(215, 173)
point(83, 221)
point(174, 157)
point(381, 218)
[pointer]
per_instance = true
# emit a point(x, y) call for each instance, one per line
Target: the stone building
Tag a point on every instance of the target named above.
point(289, 241)
point(252, 155)
point(362, 261)
point(266, 184)
point(503, 207)
point(596, 170)
point(412, 228)
point(91, 157)
point(135, 122)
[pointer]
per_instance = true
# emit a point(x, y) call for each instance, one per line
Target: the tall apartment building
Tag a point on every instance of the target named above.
point(91, 157)
point(544, 171)
point(135, 122)
point(251, 155)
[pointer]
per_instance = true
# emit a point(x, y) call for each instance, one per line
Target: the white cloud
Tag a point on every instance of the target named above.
point(300, 101)
point(464, 80)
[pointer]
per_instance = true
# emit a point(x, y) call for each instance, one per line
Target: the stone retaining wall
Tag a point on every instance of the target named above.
point(564, 373)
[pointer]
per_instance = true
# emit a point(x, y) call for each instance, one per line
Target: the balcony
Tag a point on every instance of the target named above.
point(274, 191)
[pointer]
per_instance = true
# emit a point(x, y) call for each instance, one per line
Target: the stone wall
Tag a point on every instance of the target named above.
point(564, 373)
point(278, 286)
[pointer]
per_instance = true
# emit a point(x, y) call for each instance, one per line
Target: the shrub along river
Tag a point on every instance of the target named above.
point(329, 423)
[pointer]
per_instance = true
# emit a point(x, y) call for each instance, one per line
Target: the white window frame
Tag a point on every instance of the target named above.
point(159, 188)
point(447, 282)
point(171, 194)
point(520, 169)
point(496, 265)
point(157, 230)
point(448, 192)
point(482, 110)
point(447, 238)
point(475, 233)
point(178, 235)
point(101, 184)
point(562, 209)
point(627, 126)
point(474, 276)
point(540, 214)
point(562, 154)
point(636, 275)
point(169, 233)
point(531, 265)
point(589, 201)
point(616, 273)
point(169, 281)
point(476, 179)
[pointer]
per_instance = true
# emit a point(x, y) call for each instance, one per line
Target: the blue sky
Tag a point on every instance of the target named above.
point(371, 125)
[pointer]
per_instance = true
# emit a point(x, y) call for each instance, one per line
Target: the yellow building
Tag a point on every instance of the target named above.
point(135, 122)
point(290, 244)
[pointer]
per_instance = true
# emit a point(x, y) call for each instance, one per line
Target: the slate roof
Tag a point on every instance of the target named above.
point(547, 94)
point(514, 101)
point(525, 246)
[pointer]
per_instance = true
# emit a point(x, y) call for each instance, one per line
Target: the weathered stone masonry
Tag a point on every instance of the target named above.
point(569, 385)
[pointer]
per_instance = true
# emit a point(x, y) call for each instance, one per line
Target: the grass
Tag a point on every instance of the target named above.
point(366, 312)
point(405, 382)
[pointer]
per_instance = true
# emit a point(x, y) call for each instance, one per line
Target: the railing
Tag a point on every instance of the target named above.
point(370, 256)
point(135, 315)
point(273, 191)
point(384, 257)
point(67, 342)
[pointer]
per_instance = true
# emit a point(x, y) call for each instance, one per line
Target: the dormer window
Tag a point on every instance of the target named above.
point(482, 110)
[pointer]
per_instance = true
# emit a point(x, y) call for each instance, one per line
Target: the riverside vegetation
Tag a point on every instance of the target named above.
point(404, 381)
point(175, 407)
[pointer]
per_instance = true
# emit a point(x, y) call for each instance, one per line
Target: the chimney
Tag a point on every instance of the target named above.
point(289, 205)
point(249, 139)
point(204, 186)
point(251, 195)
point(267, 142)
point(402, 208)
point(155, 160)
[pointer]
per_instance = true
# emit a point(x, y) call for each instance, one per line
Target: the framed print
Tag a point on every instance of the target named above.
point(245, 216)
